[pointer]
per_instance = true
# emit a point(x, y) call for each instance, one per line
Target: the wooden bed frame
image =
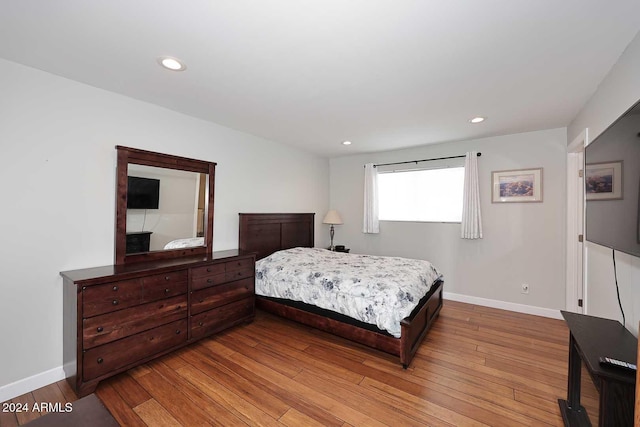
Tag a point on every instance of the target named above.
point(265, 233)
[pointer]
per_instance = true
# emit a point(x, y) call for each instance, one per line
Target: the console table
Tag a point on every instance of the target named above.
point(590, 338)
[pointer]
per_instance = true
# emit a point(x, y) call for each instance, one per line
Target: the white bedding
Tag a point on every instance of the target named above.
point(373, 289)
point(185, 243)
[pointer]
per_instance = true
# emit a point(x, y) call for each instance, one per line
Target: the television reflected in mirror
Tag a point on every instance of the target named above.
point(612, 185)
point(143, 193)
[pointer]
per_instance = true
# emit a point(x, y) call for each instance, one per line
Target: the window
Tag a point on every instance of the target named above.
point(428, 195)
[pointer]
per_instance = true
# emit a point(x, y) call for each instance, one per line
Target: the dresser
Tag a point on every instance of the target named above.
point(119, 316)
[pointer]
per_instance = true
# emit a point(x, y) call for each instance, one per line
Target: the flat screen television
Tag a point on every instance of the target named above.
point(612, 182)
point(143, 193)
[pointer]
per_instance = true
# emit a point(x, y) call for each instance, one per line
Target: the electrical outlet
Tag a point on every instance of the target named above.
point(525, 288)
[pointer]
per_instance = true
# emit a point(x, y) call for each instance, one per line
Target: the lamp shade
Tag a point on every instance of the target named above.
point(332, 217)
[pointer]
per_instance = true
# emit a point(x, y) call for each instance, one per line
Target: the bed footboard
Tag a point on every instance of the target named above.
point(415, 328)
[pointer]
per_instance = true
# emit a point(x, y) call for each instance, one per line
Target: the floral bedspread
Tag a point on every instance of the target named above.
point(373, 289)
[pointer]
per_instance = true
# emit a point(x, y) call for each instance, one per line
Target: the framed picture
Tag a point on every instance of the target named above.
point(516, 186)
point(603, 181)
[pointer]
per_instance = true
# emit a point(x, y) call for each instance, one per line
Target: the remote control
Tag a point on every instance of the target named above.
point(617, 363)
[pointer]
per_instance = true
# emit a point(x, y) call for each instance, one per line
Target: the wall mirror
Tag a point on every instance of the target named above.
point(164, 206)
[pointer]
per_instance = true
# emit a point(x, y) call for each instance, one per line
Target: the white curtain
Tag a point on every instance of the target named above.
point(370, 221)
point(471, 216)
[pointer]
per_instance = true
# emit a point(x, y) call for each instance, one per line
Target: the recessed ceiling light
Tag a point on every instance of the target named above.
point(172, 64)
point(477, 120)
point(346, 142)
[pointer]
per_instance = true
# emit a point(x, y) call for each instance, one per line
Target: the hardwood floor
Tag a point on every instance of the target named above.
point(478, 366)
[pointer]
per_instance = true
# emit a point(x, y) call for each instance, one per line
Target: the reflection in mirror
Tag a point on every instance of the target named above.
point(165, 209)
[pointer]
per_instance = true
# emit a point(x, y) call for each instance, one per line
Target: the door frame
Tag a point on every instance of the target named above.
point(575, 274)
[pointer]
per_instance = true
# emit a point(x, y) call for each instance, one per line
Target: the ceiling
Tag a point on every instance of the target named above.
point(383, 74)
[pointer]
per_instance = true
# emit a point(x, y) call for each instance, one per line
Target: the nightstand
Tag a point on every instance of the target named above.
point(138, 242)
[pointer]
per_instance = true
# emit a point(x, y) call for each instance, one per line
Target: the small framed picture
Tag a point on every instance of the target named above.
point(603, 181)
point(516, 186)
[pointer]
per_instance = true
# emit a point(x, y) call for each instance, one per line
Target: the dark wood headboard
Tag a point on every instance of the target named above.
point(266, 233)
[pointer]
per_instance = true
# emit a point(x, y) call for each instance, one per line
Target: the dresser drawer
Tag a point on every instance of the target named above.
point(219, 279)
point(217, 274)
point(207, 270)
point(109, 327)
point(219, 318)
point(111, 296)
point(239, 274)
point(222, 267)
point(164, 285)
point(109, 357)
point(215, 296)
point(208, 281)
point(239, 264)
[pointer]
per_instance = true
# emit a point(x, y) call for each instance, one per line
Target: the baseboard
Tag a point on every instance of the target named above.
point(503, 305)
point(34, 382)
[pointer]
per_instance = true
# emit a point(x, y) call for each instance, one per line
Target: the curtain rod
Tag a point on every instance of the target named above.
point(423, 160)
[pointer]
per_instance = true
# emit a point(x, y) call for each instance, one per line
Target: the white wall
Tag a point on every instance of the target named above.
point(619, 90)
point(523, 242)
point(57, 181)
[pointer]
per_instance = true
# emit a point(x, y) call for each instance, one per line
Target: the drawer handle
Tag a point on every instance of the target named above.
point(115, 288)
point(114, 302)
point(209, 280)
point(200, 324)
point(178, 332)
point(208, 269)
point(100, 329)
point(178, 307)
point(100, 360)
point(166, 291)
point(200, 300)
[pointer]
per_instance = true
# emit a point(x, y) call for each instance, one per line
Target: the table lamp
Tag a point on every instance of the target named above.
point(332, 217)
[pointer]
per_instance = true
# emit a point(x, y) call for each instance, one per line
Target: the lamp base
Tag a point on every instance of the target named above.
point(331, 233)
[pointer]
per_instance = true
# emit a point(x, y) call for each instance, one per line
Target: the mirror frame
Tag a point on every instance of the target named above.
point(128, 156)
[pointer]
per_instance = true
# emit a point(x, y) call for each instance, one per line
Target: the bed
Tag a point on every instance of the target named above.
point(188, 242)
point(266, 234)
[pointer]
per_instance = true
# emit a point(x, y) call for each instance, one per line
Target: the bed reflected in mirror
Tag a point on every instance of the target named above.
point(165, 209)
